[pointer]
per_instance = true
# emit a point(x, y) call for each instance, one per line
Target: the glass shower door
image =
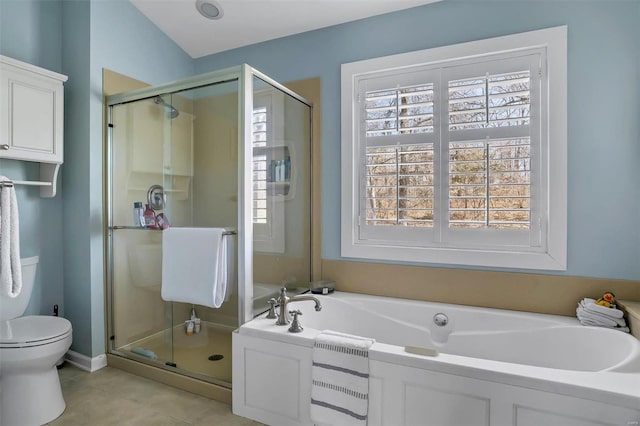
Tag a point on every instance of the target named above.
point(281, 183)
point(141, 321)
point(214, 194)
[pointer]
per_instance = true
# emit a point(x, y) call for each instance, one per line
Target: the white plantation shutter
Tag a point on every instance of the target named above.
point(490, 101)
point(489, 136)
point(492, 145)
point(259, 142)
point(399, 184)
point(447, 155)
point(399, 176)
point(399, 111)
point(490, 184)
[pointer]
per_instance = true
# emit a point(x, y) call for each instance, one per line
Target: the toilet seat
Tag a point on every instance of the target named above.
point(35, 330)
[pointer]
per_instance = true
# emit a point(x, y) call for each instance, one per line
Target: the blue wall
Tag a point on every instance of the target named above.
point(603, 106)
point(30, 32)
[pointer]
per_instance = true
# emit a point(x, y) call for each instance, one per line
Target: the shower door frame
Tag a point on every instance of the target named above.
point(243, 74)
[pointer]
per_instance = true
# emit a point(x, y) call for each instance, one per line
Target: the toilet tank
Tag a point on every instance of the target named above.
point(14, 307)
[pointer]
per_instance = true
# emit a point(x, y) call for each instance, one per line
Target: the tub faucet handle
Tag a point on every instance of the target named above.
point(272, 308)
point(296, 327)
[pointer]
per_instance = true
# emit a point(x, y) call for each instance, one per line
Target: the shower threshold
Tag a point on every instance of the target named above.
point(174, 350)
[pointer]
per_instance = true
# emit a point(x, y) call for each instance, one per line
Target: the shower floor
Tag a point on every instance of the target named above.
point(190, 353)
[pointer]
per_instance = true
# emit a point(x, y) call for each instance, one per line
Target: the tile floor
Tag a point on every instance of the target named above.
point(114, 397)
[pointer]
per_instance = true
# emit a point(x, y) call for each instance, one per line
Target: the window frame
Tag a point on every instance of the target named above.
point(551, 255)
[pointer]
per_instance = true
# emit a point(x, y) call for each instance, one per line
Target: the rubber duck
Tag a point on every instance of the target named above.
point(607, 300)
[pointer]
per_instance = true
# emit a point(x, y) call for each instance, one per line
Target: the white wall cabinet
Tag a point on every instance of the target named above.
point(31, 117)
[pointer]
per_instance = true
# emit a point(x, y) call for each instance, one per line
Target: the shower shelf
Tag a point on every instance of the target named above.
point(169, 190)
point(140, 228)
point(180, 194)
point(135, 228)
point(177, 185)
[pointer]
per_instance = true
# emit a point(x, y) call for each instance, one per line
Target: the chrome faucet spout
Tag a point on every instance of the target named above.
point(307, 297)
point(283, 300)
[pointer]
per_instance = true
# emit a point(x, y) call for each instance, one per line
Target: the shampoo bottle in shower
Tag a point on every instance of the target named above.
point(150, 218)
point(138, 214)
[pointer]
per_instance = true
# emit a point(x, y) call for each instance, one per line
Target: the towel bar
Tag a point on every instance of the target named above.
point(8, 184)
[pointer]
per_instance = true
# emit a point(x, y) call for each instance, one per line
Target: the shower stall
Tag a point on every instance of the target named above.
point(228, 149)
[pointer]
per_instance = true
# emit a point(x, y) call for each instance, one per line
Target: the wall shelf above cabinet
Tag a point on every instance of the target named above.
point(31, 119)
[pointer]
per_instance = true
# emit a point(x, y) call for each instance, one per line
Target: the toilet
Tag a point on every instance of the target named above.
point(30, 347)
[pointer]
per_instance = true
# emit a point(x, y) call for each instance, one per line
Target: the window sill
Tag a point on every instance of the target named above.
point(550, 261)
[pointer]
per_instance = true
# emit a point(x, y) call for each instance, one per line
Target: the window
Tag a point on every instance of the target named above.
point(259, 143)
point(458, 154)
point(268, 209)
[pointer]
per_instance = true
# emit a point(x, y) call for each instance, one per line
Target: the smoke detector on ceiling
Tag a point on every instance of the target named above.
point(209, 9)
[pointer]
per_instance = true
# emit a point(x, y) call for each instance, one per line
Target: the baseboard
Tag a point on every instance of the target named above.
point(85, 363)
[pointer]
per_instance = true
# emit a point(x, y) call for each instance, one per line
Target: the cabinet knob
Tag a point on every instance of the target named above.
point(5, 147)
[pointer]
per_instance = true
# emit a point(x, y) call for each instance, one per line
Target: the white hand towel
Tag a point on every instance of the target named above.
point(194, 266)
point(590, 305)
point(340, 379)
point(232, 277)
point(598, 317)
point(595, 324)
point(10, 268)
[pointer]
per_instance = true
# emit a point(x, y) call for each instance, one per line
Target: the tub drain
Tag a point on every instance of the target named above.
point(216, 357)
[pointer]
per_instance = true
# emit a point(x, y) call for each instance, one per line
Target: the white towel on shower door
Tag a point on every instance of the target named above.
point(194, 266)
point(340, 379)
point(10, 268)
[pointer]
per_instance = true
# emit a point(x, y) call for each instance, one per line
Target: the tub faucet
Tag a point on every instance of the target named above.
point(284, 300)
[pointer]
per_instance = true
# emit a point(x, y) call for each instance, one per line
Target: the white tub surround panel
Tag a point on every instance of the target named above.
point(494, 367)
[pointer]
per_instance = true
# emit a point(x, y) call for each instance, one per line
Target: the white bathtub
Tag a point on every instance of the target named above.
point(494, 367)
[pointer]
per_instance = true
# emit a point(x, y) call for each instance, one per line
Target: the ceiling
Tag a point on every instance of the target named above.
point(246, 22)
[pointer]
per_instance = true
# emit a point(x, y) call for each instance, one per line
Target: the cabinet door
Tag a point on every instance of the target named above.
point(32, 117)
point(410, 396)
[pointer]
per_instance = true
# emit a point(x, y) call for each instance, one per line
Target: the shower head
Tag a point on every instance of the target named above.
point(173, 113)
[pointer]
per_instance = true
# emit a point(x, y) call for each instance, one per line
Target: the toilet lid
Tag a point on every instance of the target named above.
point(33, 330)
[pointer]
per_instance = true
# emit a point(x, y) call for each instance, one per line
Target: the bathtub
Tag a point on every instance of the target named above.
point(493, 367)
